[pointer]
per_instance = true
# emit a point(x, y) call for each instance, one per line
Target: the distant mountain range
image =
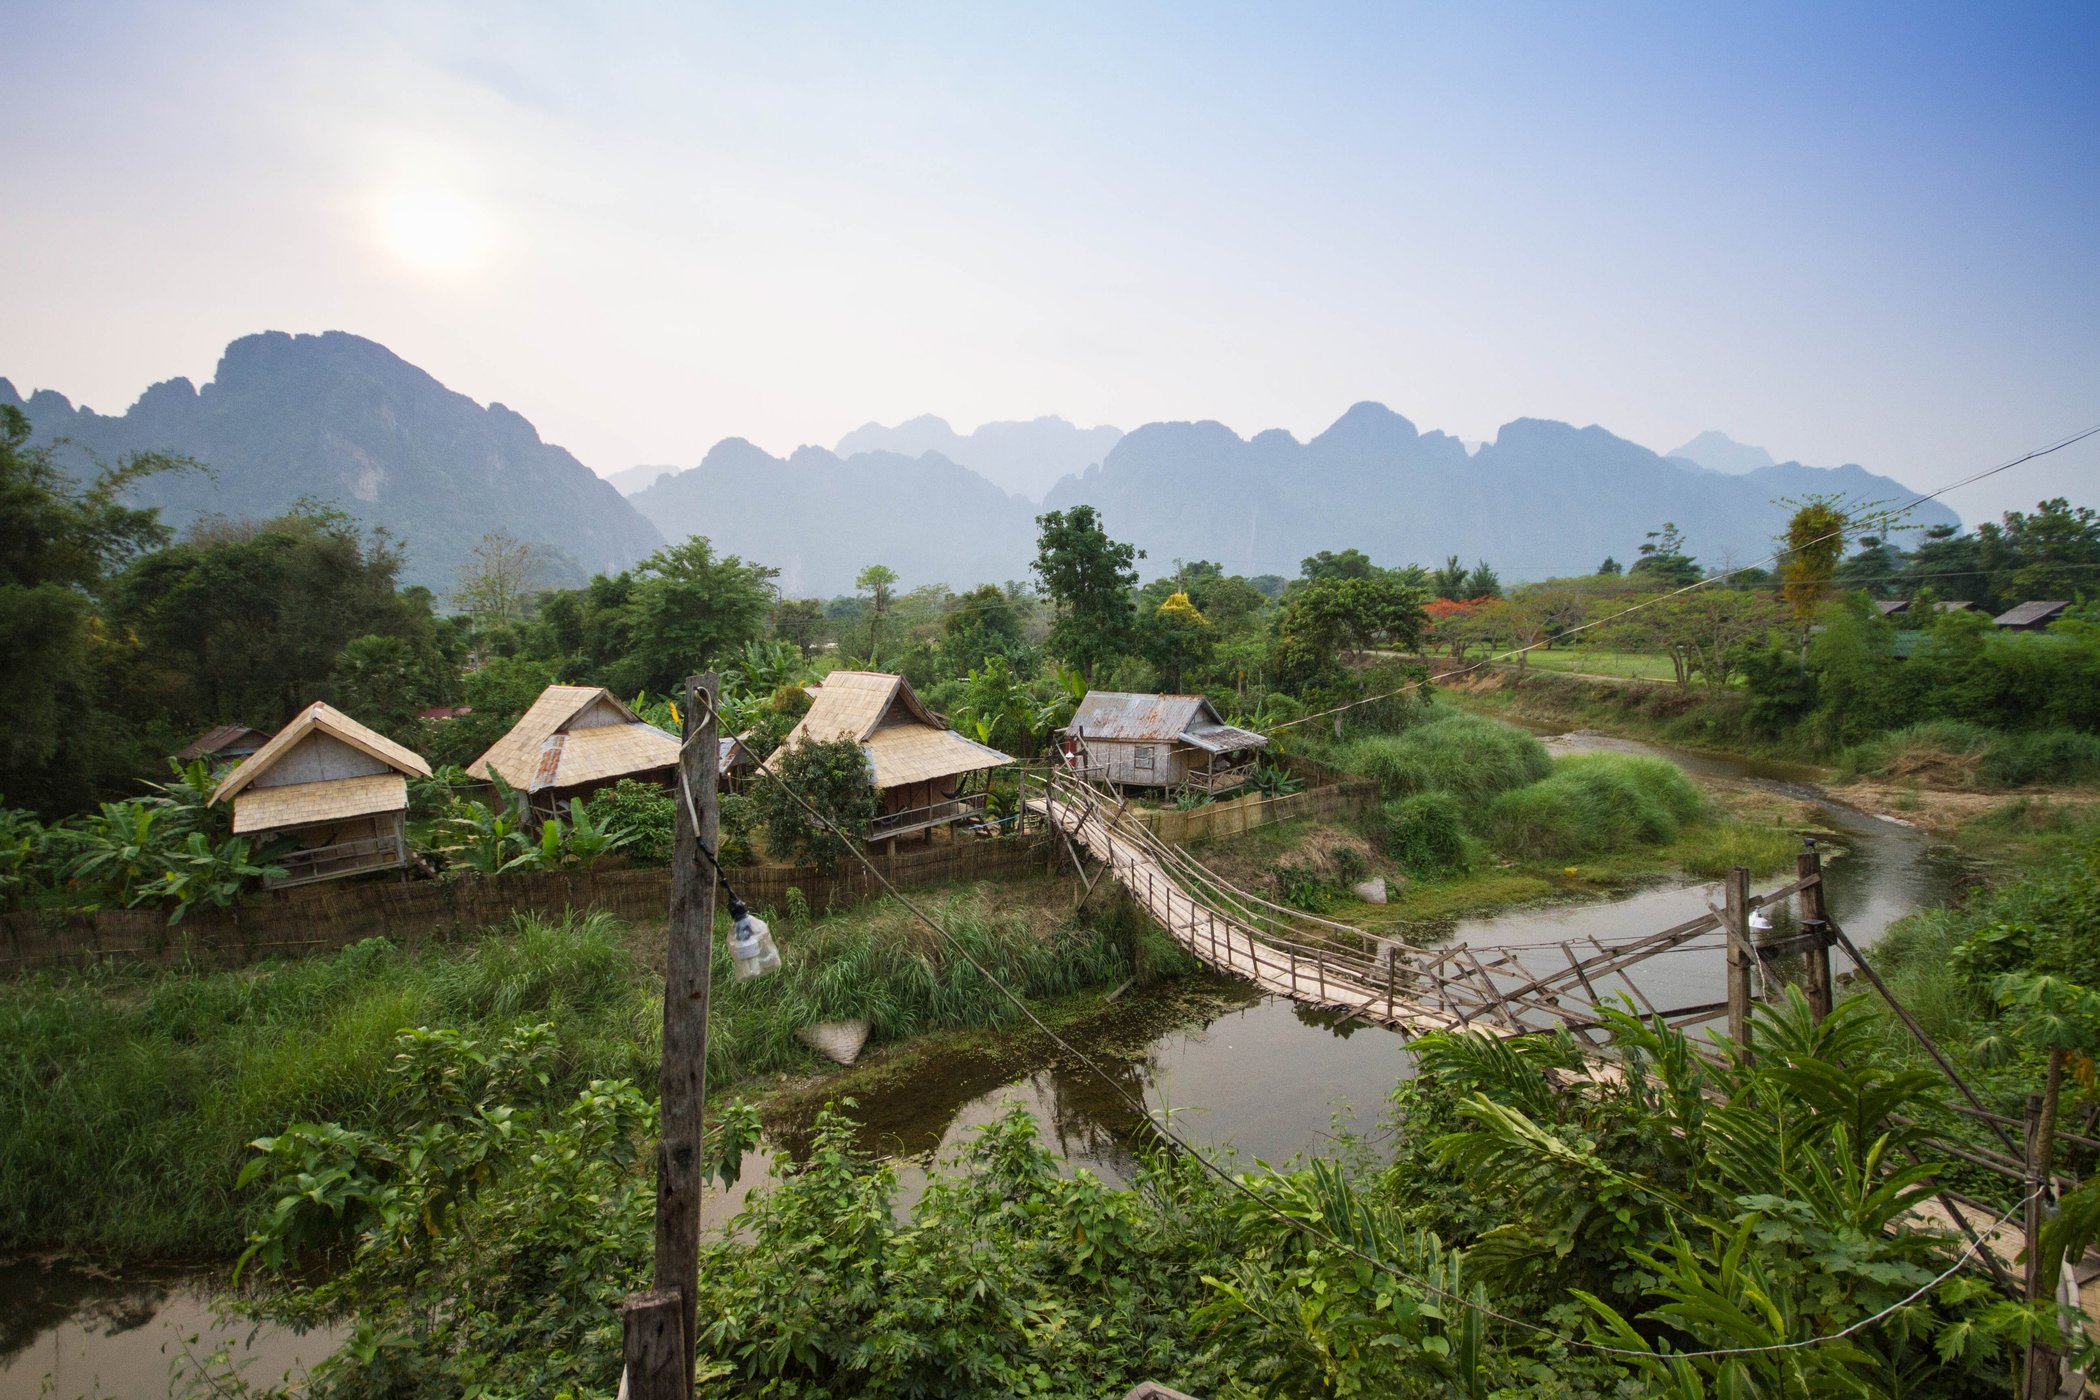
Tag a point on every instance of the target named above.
point(1024, 458)
point(821, 519)
point(342, 420)
point(1718, 452)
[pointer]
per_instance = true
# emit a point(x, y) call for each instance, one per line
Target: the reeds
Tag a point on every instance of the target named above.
point(1592, 803)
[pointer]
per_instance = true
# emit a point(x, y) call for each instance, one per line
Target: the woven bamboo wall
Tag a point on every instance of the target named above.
point(1245, 813)
point(322, 918)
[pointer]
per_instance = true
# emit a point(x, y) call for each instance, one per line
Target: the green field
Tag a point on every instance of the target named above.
point(1633, 665)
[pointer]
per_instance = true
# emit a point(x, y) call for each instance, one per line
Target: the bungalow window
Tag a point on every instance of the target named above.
point(1141, 758)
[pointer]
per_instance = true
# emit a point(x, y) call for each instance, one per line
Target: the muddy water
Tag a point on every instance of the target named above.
point(65, 1333)
point(1241, 1073)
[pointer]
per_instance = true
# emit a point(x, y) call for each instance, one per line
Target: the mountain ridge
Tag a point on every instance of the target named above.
point(342, 420)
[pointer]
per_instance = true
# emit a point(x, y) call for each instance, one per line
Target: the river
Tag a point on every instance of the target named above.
point(1241, 1073)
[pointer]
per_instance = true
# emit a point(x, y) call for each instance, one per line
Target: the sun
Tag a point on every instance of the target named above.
point(434, 230)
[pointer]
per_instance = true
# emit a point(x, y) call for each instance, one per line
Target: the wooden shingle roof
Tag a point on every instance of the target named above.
point(322, 719)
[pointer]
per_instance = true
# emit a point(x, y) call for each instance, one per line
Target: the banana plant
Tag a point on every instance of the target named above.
point(589, 839)
point(121, 847)
point(200, 873)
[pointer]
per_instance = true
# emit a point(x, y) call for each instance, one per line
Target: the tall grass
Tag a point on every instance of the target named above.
point(128, 1097)
point(1953, 753)
point(1448, 751)
point(1592, 803)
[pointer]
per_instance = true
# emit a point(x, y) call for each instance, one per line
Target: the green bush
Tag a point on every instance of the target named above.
point(2048, 756)
point(1426, 833)
point(1595, 802)
point(645, 809)
point(1449, 751)
point(1954, 753)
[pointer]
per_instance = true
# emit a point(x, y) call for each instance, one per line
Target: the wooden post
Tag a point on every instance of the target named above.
point(682, 1083)
point(1735, 923)
point(653, 1344)
point(1809, 866)
point(2039, 1373)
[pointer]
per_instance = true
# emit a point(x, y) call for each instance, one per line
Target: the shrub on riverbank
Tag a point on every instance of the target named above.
point(1594, 802)
point(1953, 753)
point(1448, 751)
point(1426, 833)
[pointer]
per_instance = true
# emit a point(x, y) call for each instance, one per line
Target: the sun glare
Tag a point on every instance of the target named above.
point(433, 230)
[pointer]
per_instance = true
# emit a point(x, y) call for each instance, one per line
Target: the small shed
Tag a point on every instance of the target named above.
point(2031, 617)
point(1159, 741)
point(1900, 607)
point(575, 740)
point(224, 743)
point(333, 786)
point(734, 762)
point(921, 767)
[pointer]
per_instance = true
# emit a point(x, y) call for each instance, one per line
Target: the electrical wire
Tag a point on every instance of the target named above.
point(1164, 1126)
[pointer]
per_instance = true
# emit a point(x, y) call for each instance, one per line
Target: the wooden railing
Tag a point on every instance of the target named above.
point(342, 858)
point(953, 809)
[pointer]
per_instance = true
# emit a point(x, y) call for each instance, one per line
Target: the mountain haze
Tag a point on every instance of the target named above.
point(344, 421)
point(1718, 452)
point(1024, 458)
point(1542, 499)
point(821, 519)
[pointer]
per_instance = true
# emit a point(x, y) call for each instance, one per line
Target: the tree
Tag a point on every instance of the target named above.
point(1483, 582)
point(692, 609)
point(878, 584)
point(243, 620)
point(1663, 560)
point(1610, 568)
point(834, 778)
point(379, 681)
point(1815, 540)
point(1872, 570)
point(980, 624)
point(499, 574)
point(1450, 580)
point(799, 621)
point(67, 736)
point(2055, 551)
point(1350, 563)
point(1320, 619)
point(1176, 638)
point(1089, 577)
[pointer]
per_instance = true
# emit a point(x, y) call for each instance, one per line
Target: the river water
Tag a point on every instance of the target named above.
point(1240, 1073)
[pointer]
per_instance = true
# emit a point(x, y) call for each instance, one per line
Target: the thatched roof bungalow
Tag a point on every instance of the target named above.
point(920, 765)
point(1159, 741)
point(575, 740)
point(337, 788)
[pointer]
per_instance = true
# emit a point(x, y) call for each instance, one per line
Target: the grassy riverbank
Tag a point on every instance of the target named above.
point(128, 1098)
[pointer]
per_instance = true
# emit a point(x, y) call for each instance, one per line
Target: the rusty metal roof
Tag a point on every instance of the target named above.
point(1120, 716)
point(224, 741)
point(2028, 614)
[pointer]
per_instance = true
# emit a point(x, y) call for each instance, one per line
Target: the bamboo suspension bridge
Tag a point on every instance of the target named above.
point(1507, 990)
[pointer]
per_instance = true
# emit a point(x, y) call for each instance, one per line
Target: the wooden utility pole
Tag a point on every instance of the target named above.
point(1742, 960)
point(2039, 1376)
point(1815, 927)
point(682, 1082)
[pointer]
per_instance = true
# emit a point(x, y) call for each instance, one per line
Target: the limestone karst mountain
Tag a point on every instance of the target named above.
point(345, 422)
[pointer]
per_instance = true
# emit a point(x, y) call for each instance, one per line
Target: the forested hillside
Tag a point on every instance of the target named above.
point(340, 421)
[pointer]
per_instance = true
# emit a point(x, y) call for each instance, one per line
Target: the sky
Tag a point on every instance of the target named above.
point(1860, 232)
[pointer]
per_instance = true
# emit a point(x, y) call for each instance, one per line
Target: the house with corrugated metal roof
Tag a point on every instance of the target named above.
point(222, 743)
point(924, 772)
point(335, 788)
point(575, 740)
point(2031, 617)
point(1158, 741)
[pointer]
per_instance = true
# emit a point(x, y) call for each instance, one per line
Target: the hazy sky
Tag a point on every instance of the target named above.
point(1849, 232)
